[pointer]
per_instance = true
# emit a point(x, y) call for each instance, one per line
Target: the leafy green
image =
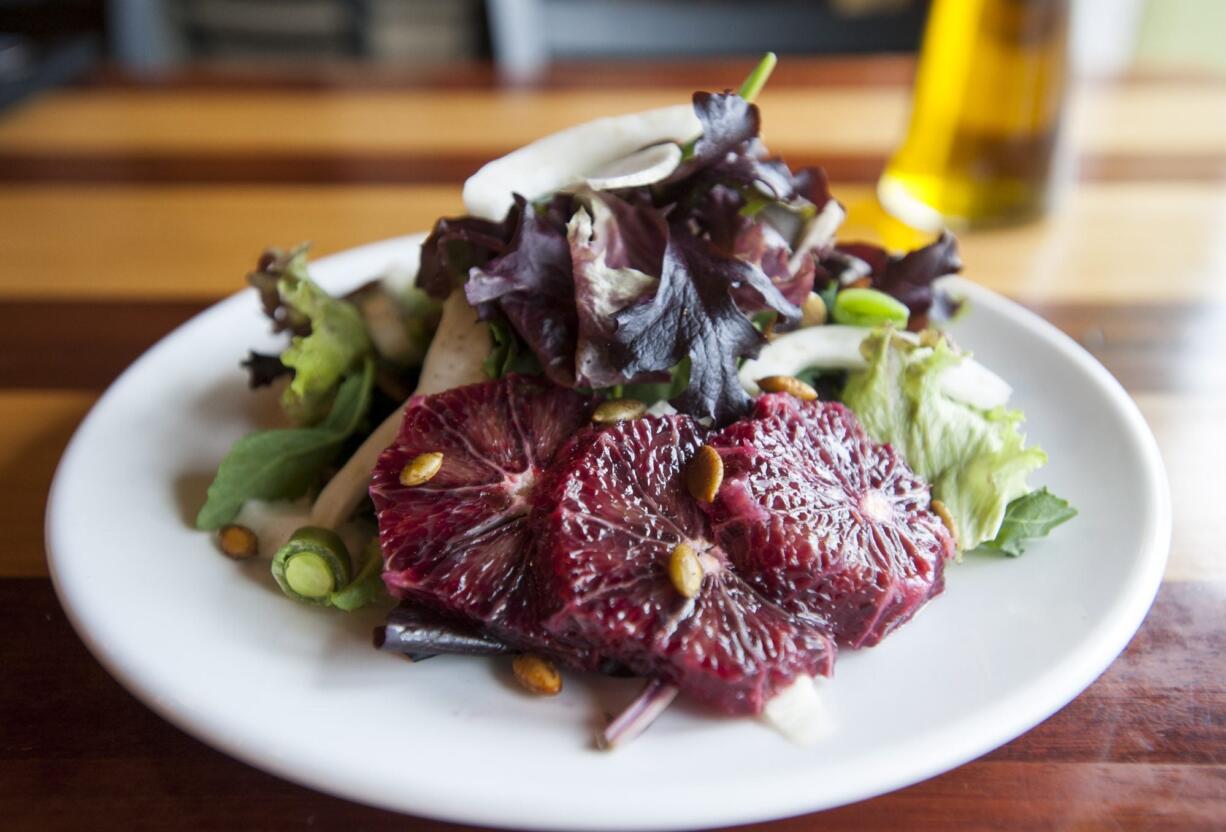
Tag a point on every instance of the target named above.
point(975, 460)
point(1030, 517)
point(337, 343)
point(283, 464)
point(367, 586)
point(508, 354)
point(650, 392)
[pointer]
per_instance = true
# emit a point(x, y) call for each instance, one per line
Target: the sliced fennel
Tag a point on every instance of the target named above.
point(837, 347)
point(643, 167)
point(799, 713)
point(569, 156)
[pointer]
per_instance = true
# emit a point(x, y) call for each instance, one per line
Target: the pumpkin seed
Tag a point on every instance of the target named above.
point(420, 469)
point(238, 542)
point(813, 311)
point(685, 570)
point(618, 410)
point(788, 384)
point(704, 474)
point(537, 675)
point(941, 511)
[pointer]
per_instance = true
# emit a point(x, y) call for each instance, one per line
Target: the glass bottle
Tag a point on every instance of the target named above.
point(985, 124)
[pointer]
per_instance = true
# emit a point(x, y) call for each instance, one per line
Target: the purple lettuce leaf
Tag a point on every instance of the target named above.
point(616, 250)
point(694, 315)
point(458, 244)
point(532, 286)
point(728, 121)
point(909, 278)
point(754, 240)
point(811, 183)
point(263, 369)
point(762, 245)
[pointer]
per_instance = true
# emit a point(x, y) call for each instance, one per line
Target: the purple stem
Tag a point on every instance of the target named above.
point(420, 634)
point(640, 713)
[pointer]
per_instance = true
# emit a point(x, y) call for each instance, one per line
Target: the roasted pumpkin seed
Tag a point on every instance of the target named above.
point(685, 570)
point(704, 474)
point(813, 311)
point(420, 469)
point(788, 384)
point(537, 675)
point(618, 410)
point(941, 511)
point(238, 542)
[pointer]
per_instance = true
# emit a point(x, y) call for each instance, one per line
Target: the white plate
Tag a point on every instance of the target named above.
point(211, 645)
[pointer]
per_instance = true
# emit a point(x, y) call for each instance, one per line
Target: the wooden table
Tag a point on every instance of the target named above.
point(125, 208)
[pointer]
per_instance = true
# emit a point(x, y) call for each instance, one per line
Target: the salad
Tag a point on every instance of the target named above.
point(639, 412)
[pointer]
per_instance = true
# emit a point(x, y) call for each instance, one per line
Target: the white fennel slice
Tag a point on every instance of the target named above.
point(819, 232)
point(568, 157)
point(643, 167)
point(837, 347)
point(455, 358)
point(799, 713)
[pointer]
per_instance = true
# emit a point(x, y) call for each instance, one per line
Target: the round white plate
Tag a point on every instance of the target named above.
point(213, 647)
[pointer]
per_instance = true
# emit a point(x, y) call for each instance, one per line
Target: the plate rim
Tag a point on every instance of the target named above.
point(1077, 672)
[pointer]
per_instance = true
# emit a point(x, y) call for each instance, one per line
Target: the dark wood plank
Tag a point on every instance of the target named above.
point(1143, 748)
point(1164, 348)
point(82, 344)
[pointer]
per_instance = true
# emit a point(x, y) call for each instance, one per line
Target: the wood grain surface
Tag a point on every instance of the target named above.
point(127, 205)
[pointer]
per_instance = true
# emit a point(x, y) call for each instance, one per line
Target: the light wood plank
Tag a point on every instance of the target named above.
point(1148, 118)
point(35, 427)
point(174, 242)
point(187, 242)
point(1189, 433)
point(452, 121)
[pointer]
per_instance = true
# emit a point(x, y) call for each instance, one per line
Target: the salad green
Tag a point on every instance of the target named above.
point(975, 460)
point(1028, 518)
point(285, 463)
point(335, 344)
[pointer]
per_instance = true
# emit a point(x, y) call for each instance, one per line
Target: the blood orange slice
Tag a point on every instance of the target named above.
point(458, 542)
point(824, 521)
point(609, 519)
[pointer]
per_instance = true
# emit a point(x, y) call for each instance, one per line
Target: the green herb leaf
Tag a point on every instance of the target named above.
point(508, 354)
point(1030, 517)
point(284, 464)
point(367, 586)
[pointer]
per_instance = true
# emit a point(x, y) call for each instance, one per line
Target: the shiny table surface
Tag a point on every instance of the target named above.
point(126, 207)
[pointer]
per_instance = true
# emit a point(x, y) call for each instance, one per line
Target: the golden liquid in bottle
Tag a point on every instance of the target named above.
point(986, 118)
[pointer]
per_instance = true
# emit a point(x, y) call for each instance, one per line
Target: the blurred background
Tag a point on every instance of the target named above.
point(46, 42)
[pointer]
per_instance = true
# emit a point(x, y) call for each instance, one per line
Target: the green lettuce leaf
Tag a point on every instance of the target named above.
point(1030, 517)
point(976, 461)
point(284, 464)
point(337, 343)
